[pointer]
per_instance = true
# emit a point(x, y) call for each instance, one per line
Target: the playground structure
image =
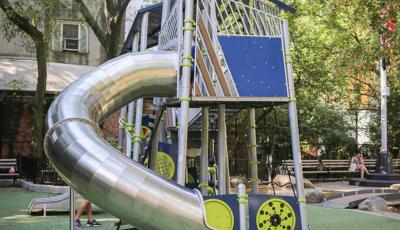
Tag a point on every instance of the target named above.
point(43, 204)
point(241, 60)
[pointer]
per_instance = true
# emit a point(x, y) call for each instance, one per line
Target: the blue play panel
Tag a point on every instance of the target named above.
point(257, 65)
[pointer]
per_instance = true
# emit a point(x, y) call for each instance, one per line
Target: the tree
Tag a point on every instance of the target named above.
point(33, 19)
point(336, 51)
point(108, 34)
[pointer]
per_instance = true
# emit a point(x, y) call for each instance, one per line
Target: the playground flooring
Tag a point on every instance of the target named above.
point(14, 201)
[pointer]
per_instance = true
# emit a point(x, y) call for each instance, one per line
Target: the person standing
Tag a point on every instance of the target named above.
point(86, 205)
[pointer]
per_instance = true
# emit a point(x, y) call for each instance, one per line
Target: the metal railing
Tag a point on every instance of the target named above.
point(170, 33)
point(267, 7)
point(235, 18)
point(206, 7)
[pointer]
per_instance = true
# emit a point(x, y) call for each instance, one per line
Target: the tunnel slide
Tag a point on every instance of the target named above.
point(85, 160)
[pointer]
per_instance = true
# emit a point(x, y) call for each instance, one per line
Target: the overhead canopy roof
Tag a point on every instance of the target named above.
point(21, 75)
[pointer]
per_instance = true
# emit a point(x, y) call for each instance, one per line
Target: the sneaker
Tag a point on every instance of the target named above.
point(78, 224)
point(94, 223)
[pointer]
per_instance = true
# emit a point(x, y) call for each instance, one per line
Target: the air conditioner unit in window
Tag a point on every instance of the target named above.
point(71, 44)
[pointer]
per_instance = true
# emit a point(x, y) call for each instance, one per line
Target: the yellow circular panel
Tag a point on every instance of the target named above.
point(219, 214)
point(165, 165)
point(276, 214)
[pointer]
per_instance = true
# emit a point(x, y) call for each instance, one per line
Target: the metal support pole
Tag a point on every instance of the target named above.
point(122, 115)
point(128, 138)
point(384, 94)
point(227, 174)
point(139, 103)
point(204, 150)
point(71, 208)
point(157, 101)
point(185, 92)
point(221, 150)
point(269, 161)
point(213, 176)
point(154, 144)
point(243, 206)
point(294, 129)
point(384, 162)
point(253, 150)
point(131, 108)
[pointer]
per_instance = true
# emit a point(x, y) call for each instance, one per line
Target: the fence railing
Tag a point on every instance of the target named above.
point(204, 15)
point(235, 18)
point(170, 32)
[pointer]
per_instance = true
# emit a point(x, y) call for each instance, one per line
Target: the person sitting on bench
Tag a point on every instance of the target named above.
point(357, 163)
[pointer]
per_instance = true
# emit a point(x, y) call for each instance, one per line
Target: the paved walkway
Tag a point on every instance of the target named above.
point(343, 195)
point(340, 186)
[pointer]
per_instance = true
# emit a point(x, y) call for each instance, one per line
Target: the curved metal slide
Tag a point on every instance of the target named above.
point(42, 204)
point(101, 173)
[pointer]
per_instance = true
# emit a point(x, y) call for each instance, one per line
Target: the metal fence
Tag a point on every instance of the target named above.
point(171, 33)
point(235, 18)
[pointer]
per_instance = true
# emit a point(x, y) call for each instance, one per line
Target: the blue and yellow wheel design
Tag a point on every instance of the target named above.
point(219, 214)
point(276, 214)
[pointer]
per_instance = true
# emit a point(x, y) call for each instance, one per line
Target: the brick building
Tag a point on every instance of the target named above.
point(17, 88)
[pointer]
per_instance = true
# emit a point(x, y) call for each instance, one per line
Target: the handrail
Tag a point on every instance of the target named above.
point(236, 18)
point(213, 55)
point(204, 72)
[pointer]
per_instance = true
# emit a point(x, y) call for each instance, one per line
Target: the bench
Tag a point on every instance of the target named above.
point(335, 167)
point(5, 165)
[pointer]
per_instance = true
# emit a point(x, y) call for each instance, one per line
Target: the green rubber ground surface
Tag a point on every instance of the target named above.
point(14, 216)
point(321, 218)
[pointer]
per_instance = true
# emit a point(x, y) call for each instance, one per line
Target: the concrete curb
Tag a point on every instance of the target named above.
point(41, 187)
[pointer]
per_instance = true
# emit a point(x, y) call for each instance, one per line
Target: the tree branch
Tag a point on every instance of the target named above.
point(100, 34)
point(123, 4)
point(20, 21)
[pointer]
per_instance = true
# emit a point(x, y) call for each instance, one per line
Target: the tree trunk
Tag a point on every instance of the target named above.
point(113, 41)
point(39, 104)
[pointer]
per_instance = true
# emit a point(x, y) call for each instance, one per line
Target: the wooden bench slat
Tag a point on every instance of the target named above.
point(6, 167)
point(5, 160)
point(9, 174)
point(336, 166)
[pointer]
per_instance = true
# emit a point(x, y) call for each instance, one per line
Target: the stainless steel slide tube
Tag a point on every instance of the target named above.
point(101, 173)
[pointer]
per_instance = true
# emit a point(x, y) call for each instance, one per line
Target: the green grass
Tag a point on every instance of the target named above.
point(14, 216)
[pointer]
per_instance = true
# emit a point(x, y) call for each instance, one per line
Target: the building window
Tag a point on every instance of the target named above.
point(70, 36)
